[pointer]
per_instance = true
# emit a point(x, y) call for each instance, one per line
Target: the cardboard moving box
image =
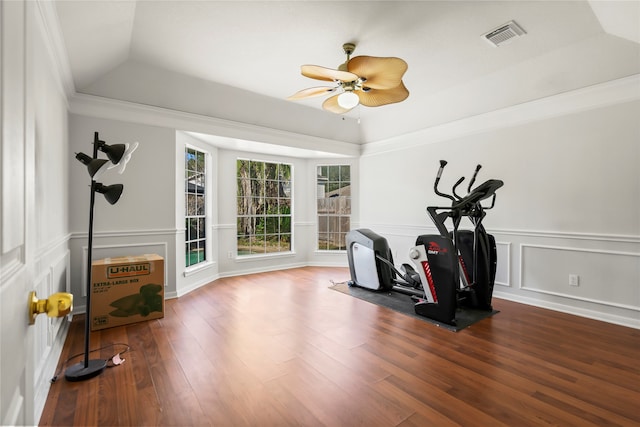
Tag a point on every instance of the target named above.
point(126, 290)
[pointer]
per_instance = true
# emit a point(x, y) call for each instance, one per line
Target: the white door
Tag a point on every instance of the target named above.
point(16, 265)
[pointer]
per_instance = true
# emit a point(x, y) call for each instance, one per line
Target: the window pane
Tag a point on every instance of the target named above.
point(191, 205)
point(285, 224)
point(240, 226)
point(243, 165)
point(187, 255)
point(260, 225)
point(193, 229)
point(244, 245)
point(264, 199)
point(345, 173)
point(284, 206)
point(202, 252)
point(285, 171)
point(195, 206)
point(271, 170)
point(201, 229)
point(322, 171)
point(199, 205)
point(272, 188)
point(284, 189)
point(345, 224)
point(257, 206)
point(285, 242)
point(200, 162)
point(258, 244)
point(347, 206)
point(244, 205)
point(322, 241)
point(272, 225)
point(256, 170)
point(333, 206)
point(271, 206)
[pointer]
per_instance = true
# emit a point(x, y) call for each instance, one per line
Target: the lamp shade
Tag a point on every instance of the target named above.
point(95, 167)
point(129, 149)
point(348, 100)
point(113, 152)
point(111, 192)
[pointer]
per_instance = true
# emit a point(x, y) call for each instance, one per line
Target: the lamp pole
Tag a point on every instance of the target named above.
point(89, 368)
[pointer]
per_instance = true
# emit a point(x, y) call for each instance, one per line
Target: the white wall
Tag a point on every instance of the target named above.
point(148, 218)
point(143, 220)
point(188, 279)
point(571, 194)
point(570, 203)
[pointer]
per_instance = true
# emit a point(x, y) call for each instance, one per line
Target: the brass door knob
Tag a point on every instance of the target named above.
point(57, 305)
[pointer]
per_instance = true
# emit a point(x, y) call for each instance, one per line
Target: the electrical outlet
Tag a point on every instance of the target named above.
point(574, 280)
point(230, 255)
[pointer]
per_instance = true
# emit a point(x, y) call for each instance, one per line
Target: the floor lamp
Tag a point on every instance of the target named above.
point(118, 155)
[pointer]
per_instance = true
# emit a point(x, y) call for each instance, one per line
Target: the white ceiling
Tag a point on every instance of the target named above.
point(259, 46)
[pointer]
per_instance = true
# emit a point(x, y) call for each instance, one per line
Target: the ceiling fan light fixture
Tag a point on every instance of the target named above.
point(382, 75)
point(348, 100)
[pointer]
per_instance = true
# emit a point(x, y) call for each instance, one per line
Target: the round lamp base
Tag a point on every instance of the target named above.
point(79, 372)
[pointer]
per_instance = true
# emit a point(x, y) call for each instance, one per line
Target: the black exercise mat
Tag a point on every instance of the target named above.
point(403, 304)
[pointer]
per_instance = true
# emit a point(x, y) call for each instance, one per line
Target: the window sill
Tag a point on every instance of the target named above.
point(194, 269)
point(245, 258)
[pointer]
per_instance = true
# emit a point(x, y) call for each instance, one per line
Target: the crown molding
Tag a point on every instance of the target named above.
point(52, 34)
point(97, 106)
point(613, 92)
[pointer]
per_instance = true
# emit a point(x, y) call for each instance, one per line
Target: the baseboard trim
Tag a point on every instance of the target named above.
point(575, 311)
point(44, 384)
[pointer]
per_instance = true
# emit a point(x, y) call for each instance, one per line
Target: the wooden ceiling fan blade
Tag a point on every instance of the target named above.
point(378, 97)
point(331, 104)
point(311, 92)
point(380, 73)
point(327, 74)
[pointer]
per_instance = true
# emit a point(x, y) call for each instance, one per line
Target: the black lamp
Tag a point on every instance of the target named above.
point(118, 156)
point(111, 192)
point(95, 167)
point(113, 152)
point(126, 156)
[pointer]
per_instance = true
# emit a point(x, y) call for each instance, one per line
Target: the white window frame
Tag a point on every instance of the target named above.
point(340, 200)
point(285, 186)
point(204, 216)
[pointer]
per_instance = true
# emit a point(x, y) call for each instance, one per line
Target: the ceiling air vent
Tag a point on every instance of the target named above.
point(504, 34)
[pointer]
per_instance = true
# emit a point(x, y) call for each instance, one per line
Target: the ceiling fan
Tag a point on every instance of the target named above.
point(364, 80)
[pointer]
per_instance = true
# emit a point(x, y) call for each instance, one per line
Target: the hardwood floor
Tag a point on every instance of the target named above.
point(281, 348)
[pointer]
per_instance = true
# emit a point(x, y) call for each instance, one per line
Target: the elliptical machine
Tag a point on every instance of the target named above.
point(441, 281)
point(457, 267)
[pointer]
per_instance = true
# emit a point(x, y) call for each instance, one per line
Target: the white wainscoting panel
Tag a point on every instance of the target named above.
point(503, 270)
point(15, 409)
point(51, 332)
point(604, 277)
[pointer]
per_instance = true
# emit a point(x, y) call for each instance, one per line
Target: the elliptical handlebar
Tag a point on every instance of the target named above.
point(453, 190)
point(473, 178)
point(443, 163)
point(481, 192)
